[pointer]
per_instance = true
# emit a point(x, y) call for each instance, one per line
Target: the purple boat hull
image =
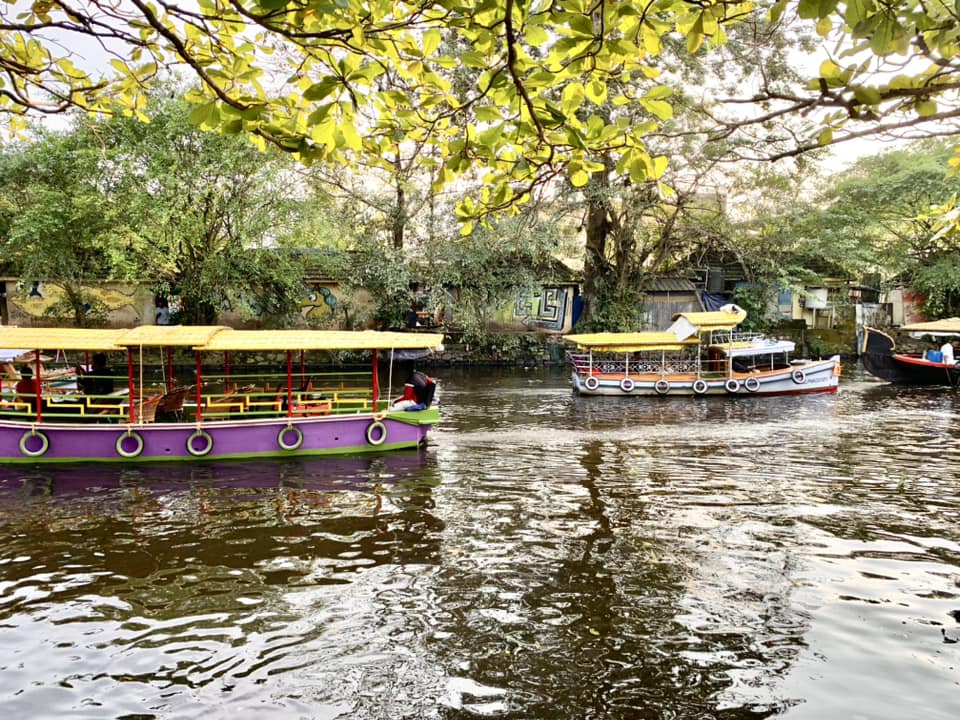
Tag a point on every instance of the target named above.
point(222, 440)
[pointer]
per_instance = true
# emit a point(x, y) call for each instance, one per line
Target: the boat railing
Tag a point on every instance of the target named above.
point(723, 337)
point(221, 396)
point(613, 365)
point(251, 396)
point(70, 406)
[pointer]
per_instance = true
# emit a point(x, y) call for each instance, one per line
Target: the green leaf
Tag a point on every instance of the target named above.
point(777, 10)
point(431, 41)
point(491, 135)
point(488, 113)
point(694, 41)
point(815, 9)
point(351, 136)
point(320, 90)
point(658, 92)
point(857, 11)
point(581, 25)
point(536, 35)
point(658, 108)
point(660, 165)
point(202, 113)
point(579, 178)
point(596, 92)
point(867, 95)
point(638, 171)
point(232, 127)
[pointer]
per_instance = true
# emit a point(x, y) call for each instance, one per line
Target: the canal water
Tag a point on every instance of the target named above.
point(547, 556)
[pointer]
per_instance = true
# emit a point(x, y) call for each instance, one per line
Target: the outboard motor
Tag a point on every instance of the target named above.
point(424, 388)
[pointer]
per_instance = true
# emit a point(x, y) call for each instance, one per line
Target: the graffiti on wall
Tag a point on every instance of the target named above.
point(31, 303)
point(550, 310)
point(318, 303)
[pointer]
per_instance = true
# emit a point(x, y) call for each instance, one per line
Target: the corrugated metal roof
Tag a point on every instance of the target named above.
point(670, 284)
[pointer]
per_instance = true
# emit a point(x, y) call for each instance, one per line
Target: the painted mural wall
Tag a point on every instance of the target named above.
point(551, 310)
point(322, 305)
point(35, 303)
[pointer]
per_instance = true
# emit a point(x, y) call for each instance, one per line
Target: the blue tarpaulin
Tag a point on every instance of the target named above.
point(713, 302)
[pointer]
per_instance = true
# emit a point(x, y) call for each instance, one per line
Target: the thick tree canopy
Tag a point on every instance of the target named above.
point(320, 78)
point(196, 213)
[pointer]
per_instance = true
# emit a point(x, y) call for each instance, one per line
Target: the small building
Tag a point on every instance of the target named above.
point(666, 296)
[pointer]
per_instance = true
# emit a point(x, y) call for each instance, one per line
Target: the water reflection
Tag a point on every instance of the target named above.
point(192, 578)
point(547, 556)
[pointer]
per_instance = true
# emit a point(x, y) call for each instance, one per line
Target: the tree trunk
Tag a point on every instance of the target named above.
point(400, 209)
point(597, 229)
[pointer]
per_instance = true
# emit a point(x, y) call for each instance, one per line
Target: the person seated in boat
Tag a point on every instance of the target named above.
point(424, 388)
point(418, 392)
point(408, 399)
point(28, 388)
point(10, 375)
point(99, 380)
point(948, 352)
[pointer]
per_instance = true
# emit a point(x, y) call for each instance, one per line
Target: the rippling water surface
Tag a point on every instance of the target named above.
point(547, 556)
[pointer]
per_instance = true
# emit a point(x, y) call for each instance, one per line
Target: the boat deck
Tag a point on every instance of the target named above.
point(219, 398)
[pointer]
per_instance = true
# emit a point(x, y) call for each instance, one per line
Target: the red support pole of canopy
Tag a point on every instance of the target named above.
point(376, 382)
point(38, 385)
point(289, 383)
point(199, 390)
point(131, 388)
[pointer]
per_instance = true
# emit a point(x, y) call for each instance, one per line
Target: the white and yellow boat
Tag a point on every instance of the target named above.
point(699, 354)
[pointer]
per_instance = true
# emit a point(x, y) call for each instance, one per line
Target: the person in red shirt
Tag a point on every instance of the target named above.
point(28, 388)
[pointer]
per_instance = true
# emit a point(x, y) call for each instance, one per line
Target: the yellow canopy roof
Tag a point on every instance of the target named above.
point(629, 342)
point(275, 340)
point(946, 326)
point(212, 338)
point(60, 338)
point(726, 318)
point(170, 335)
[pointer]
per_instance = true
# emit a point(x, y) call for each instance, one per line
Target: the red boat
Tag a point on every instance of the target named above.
point(880, 357)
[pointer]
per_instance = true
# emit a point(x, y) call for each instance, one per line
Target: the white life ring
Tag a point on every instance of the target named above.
point(661, 386)
point(732, 385)
point(44, 443)
point(205, 450)
point(751, 384)
point(121, 451)
point(700, 386)
point(626, 385)
point(298, 438)
point(799, 376)
point(373, 428)
point(591, 383)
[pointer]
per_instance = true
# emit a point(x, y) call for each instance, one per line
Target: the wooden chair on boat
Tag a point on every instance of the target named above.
point(170, 404)
point(145, 410)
